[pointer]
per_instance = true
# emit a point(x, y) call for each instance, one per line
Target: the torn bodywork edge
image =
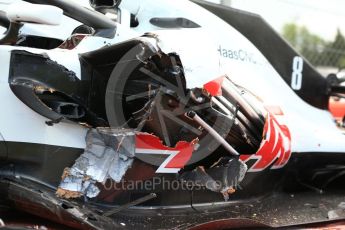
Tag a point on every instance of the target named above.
point(109, 153)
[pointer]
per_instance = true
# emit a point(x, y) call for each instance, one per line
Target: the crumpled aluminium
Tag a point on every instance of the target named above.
point(109, 154)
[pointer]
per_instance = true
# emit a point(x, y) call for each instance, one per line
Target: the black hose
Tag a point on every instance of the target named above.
point(4, 22)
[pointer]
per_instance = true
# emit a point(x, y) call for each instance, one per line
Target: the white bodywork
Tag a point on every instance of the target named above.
point(41, 14)
point(201, 52)
point(61, 29)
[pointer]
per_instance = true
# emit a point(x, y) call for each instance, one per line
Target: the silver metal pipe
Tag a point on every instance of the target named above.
point(233, 93)
point(192, 115)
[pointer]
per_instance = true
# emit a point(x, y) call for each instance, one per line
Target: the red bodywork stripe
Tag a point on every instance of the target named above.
point(215, 87)
point(151, 142)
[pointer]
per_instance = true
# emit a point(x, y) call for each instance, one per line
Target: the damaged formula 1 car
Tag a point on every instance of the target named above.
point(172, 115)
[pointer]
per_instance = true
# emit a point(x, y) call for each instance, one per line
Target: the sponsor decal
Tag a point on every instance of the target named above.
point(240, 55)
point(275, 149)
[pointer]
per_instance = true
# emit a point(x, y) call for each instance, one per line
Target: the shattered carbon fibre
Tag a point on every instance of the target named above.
point(108, 154)
point(224, 176)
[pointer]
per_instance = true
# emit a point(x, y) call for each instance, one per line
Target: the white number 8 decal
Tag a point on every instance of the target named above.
point(297, 68)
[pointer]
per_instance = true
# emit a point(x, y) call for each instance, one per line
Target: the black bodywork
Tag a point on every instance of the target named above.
point(4, 22)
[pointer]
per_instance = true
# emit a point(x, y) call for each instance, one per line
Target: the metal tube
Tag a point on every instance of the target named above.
point(219, 138)
point(242, 118)
point(230, 90)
